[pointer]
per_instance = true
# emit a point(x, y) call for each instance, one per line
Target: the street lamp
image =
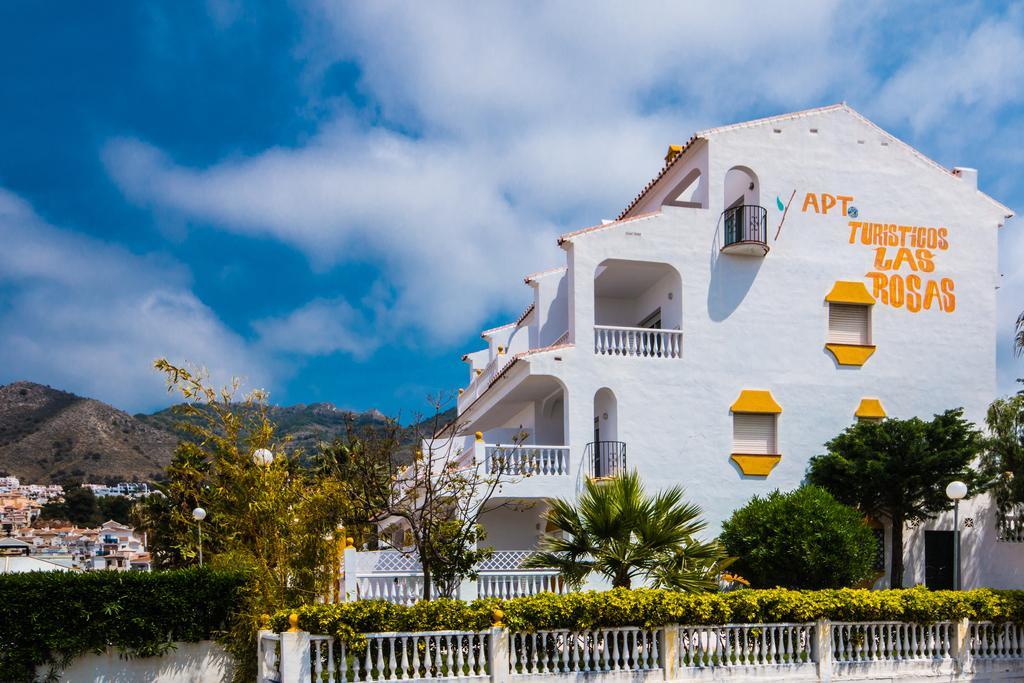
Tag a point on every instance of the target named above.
point(199, 514)
point(263, 457)
point(955, 491)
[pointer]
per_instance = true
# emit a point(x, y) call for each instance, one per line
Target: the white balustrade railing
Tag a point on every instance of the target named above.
point(744, 645)
point(598, 650)
point(890, 641)
point(641, 342)
point(526, 460)
point(739, 652)
point(322, 662)
point(519, 584)
point(403, 588)
point(996, 641)
point(410, 656)
point(268, 657)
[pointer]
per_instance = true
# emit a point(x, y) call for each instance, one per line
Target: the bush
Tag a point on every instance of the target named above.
point(50, 618)
point(653, 608)
point(801, 539)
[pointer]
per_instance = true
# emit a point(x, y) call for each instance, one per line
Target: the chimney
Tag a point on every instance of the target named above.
point(968, 175)
point(672, 153)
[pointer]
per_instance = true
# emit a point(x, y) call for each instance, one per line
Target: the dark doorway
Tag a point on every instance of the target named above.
point(938, 560)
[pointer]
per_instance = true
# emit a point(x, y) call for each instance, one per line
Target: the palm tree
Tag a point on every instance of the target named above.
point(1018, 340)
point(618, 531)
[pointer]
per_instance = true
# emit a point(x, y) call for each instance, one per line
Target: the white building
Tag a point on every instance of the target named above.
point(777, 280)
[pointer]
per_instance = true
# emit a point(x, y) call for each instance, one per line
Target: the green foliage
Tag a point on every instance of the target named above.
point(278, 521)
point(1004, 448)
point(81, 506)
point(800, 539)
point(898, 470)
point(652, 608)
point(615, 529)
point(52, 617)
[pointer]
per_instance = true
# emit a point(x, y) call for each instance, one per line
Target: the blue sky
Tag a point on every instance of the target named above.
point(332, 199)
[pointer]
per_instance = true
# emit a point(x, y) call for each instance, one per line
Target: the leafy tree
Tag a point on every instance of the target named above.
point(81, 507)
point(277, 521)
point(1003, 459)
point(897, 470)
point(618, 531)
point(167, 518)
point(800, 539)
point(434, 500)
point(117, 508)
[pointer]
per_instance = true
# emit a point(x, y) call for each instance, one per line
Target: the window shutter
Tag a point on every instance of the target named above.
point(849, 324)
point(754, 434)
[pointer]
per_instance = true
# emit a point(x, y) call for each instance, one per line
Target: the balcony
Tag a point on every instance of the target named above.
point(745, 229)
point(639, 342)
point(526, 460)
point(605, 459)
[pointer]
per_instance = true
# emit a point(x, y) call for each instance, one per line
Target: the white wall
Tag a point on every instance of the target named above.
point(513, 526)
point(203, 662)
point(761, 322)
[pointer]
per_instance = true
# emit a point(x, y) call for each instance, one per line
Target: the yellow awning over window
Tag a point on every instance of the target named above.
point(756, 401)
point(844, 292)
point(870, 409)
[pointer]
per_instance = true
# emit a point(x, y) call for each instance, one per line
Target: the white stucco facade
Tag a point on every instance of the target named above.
point(656, 326)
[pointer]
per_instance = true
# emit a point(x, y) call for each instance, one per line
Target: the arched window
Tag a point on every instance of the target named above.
point(744, 220)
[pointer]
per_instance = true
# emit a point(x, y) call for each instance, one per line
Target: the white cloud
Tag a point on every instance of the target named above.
point(322, 326)
point(525, 120)
point(90, 318)
point(960, 78)
point(495, 126)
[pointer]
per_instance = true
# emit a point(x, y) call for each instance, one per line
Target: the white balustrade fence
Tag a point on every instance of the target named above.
point(890, 641)
point(891, 651)
point(996, 641)
point(527, 460)
point(403, 588)
point(268, 657)
point(396, 577)
point(599, 650)
point(744, 645)
point(520, 584)
point(637, 341)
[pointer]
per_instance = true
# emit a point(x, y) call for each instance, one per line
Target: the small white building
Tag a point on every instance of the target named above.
point(776, 281)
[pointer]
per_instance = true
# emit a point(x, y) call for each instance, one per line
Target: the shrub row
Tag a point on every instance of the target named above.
point(652, 608)
point(50, 618)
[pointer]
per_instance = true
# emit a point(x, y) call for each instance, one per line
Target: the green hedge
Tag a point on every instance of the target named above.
point(652, 608)
point(49, 618)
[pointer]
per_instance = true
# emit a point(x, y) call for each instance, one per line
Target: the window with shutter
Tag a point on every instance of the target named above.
point(849, 324)
point(754, 434)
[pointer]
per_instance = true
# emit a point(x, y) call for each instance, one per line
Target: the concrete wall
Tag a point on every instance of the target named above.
point(203, 662)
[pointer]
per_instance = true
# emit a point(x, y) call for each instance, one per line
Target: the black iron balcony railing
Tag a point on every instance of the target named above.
point(605, 459)
point(746, 223)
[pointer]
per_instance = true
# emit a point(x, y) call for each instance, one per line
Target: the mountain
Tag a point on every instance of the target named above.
point(48, 435)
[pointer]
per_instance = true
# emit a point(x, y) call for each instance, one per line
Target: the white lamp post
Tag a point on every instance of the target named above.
point(263, 457)
point(955, 491)
point(199, 514)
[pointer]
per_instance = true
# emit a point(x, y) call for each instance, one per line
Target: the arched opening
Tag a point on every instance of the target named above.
point(690, 192)
point(638, 309)
point(606, 454)
point(744, 221)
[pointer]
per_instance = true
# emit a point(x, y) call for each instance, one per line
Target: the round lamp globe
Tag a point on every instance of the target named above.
point(263, 457)
point(956, 490)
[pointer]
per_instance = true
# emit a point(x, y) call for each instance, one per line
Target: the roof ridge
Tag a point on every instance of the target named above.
point(843, 106)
